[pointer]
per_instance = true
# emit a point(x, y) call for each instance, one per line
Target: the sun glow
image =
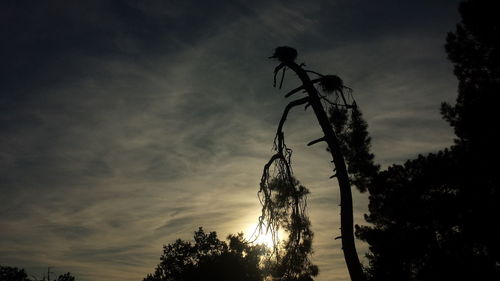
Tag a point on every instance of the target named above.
point(266, 238)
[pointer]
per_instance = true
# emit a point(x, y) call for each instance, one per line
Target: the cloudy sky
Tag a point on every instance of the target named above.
point(127, 124)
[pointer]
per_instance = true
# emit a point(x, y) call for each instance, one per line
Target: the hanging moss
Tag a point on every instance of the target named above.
point(284, 202)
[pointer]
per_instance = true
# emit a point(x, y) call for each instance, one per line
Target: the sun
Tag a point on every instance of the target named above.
point(264, 238)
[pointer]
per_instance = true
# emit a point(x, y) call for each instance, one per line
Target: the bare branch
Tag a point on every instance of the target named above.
point(314, 72)
point(343, 97)
point(282, 77)
point(324, 98)
point(294, 91)
point(279, 131)
point(277, 156)
point(276, 70)
point(314, 81)
point(316, 141)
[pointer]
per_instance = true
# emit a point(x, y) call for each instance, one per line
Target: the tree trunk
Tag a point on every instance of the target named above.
point(346, 209)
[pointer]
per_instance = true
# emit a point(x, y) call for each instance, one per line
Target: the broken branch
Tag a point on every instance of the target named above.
point(316, 141)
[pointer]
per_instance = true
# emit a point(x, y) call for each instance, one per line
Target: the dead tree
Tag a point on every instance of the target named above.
point(281, 159)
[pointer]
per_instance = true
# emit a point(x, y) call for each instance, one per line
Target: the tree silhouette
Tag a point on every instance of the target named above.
point(436, 217)
point(8, 273)
point(208, 258)
point(346, 129)
point(66, 277)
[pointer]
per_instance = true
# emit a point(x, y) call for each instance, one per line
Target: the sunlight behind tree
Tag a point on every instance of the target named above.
point(263, 237)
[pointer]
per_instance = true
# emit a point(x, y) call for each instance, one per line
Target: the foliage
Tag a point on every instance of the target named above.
point(66, 277)
point(436, 217)
point(208, 258)
point(8, 273)
point(474, 49)
point(417, 218)
point(355, 142)
point(331, 83)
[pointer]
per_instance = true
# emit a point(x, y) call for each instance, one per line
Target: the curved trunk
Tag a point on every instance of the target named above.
point(346, 209)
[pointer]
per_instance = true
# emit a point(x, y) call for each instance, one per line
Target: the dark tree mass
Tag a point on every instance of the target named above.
point(8, 273)
point(208, 258)
point(436, 217)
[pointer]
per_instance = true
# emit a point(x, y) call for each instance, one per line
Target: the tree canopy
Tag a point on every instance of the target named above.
point(8, 273)
point(436, 217)
point(208, 258)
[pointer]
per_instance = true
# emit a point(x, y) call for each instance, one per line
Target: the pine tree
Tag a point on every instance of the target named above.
point(436, 217)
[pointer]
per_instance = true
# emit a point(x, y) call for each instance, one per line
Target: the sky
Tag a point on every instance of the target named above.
point(125, 125)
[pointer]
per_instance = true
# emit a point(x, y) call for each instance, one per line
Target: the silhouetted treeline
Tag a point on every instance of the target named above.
point(8, 273)
point(208, 258)
point(437, 217)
